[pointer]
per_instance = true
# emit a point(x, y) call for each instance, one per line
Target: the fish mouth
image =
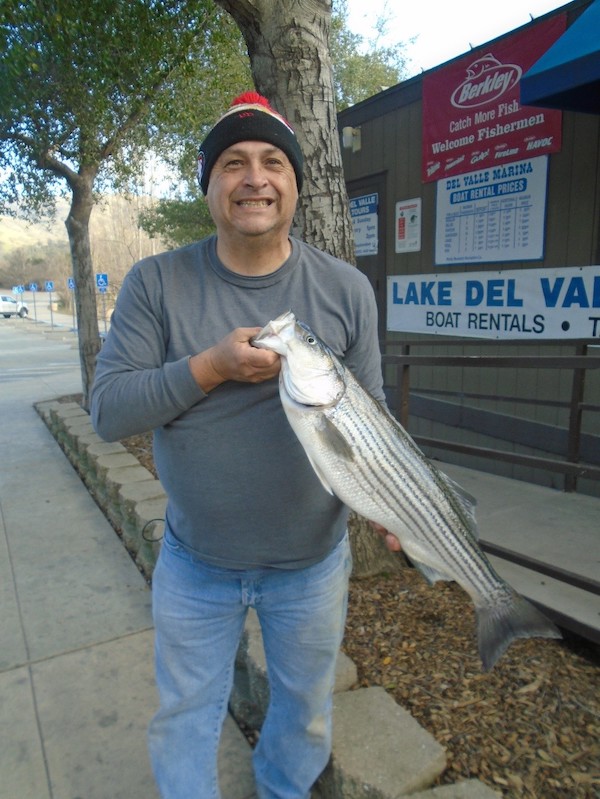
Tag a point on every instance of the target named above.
point(276, 334)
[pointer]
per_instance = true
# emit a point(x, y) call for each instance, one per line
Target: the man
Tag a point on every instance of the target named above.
point(248, 523)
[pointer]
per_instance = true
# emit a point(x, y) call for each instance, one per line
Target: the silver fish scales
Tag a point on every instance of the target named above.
point(366, 458)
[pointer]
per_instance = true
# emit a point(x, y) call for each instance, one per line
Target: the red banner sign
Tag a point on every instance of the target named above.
point(472, 117)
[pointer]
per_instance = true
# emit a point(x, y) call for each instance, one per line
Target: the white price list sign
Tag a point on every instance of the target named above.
point(494, 214)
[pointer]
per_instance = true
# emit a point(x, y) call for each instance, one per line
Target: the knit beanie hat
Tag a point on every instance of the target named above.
point(249, 118)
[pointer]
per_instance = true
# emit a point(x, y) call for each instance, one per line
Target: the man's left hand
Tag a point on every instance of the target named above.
point(391, 541)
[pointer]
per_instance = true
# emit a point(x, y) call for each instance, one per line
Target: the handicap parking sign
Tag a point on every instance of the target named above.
point(33, 287)
point(49, 285)
point(71, 283)
point(102, 281)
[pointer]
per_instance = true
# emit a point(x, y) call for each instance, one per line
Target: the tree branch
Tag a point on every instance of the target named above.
point(42, 159)
point(143, 106)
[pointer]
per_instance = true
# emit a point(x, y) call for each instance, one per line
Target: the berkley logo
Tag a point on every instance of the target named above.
point(487, 80)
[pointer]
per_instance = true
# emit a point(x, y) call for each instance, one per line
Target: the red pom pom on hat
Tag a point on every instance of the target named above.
point(251, 98)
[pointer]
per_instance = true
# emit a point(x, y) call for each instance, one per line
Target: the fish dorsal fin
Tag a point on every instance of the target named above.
point(466, 501)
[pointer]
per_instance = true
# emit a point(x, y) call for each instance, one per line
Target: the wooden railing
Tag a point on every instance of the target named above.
point(401, 358)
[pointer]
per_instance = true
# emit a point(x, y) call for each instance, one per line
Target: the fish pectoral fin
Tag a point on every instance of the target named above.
point(431, 574)
point(321, 476)
point(333, 440)
point(466, 501)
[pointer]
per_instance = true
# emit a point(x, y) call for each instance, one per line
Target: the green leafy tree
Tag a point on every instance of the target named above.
point(178, 221)
point(86, 89)
point(362, 66)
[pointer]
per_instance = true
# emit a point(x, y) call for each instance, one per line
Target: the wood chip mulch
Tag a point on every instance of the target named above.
point(529, 728)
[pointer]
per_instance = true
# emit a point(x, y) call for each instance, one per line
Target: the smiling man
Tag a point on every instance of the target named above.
point(248, 522)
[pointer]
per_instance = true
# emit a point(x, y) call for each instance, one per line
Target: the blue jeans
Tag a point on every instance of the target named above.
point(199, 613)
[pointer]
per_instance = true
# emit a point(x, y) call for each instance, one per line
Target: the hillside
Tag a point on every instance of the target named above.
point(113, 219)
point(15, 233)
point(41, 251)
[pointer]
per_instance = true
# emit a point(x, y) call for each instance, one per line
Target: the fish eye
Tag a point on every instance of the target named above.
point(311, 339)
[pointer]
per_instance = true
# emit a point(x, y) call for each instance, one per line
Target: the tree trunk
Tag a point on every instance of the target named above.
point(288, 45)
point(77, 224)
point(369, 552)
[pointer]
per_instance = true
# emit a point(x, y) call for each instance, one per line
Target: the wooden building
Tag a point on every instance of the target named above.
point(477, 220)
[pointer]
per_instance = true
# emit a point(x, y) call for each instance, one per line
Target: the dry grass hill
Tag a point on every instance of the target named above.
point(16, 233)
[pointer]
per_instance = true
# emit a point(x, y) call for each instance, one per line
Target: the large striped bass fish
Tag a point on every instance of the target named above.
point(366, 458)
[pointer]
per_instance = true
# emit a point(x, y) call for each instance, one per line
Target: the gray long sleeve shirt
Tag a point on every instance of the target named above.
point(241, 492)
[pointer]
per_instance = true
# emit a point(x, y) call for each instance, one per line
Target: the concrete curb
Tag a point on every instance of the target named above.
point(379, 750)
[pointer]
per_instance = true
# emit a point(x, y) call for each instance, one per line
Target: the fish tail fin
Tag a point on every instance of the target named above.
point(499, 625)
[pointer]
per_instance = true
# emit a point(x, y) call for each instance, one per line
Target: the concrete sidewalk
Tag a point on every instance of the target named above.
point(76, 672)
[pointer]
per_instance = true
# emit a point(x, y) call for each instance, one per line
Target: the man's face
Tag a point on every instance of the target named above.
point(252, 191)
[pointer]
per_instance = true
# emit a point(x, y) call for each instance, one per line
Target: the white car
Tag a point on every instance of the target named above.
point(10, 307)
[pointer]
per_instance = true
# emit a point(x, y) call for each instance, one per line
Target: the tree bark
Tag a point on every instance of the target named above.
point(77, 224)
point(369, 553)
point(288, 46)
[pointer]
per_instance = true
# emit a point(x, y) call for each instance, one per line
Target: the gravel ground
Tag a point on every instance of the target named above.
point(530, 728)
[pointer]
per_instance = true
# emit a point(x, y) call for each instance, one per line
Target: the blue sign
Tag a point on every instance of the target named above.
point(49, 285)
point(33, 287)
point(364, 213)
point(71, 283)
point(18, 289)
point(102, 281)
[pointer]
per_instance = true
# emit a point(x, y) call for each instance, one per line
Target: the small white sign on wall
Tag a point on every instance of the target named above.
point(408, 225)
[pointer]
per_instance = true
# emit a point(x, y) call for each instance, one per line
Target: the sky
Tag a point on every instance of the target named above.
point(444, 29)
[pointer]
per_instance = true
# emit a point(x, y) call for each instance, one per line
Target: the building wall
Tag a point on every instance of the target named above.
point(391, 139)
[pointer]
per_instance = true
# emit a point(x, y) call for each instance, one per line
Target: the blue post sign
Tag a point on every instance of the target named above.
point(49, 286)
point(71, 287)
point(33, 287)
point(102, 285)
